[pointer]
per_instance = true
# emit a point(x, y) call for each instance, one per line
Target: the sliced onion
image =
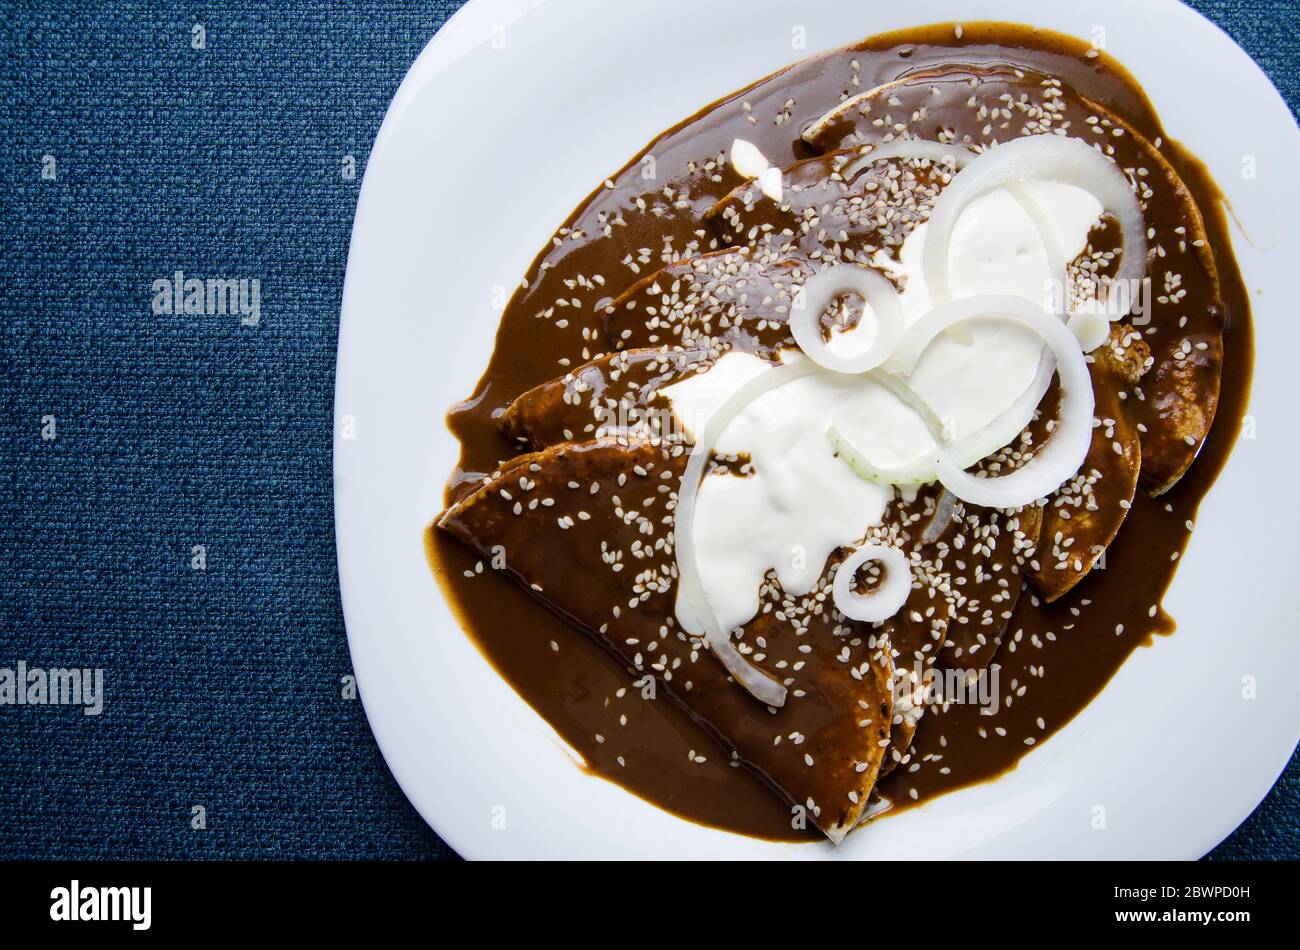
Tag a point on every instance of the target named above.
point(885, 600)
point(959, 157)
point(920, 150)
point(943, 511)
point(998, 433)
point(1046, 157)
point(903, 390)
point(1064, 452)
point(763, 687)
point(919, 471)
point(818, 294)
point(1003, 428)
point(1051, 246)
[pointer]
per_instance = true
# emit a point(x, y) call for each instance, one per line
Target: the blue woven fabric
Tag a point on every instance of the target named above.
point(173, 431)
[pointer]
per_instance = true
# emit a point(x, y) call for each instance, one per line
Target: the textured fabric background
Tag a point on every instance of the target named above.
point(173, 431)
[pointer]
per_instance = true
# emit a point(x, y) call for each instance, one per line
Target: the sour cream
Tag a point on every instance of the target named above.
point(801, 502)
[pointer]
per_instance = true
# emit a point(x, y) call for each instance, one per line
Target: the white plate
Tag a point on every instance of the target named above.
point(1171, 749)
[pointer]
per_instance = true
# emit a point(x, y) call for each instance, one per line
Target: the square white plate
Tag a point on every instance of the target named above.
point(524, 105)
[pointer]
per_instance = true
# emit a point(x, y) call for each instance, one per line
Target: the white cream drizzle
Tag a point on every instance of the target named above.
point(801, 502)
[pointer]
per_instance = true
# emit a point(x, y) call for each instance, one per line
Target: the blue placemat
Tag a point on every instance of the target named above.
point(166, 479)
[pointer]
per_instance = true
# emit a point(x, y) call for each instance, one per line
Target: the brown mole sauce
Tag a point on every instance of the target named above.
point(569, 687)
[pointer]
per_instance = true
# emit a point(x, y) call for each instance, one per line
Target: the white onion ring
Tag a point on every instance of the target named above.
point(920, 150)
point(1048, 157)
point(909, 397)
point(1003, 428)
point(885, 600)
point(998, 433)
point(959, 157)
point(1051, 246)
point(919, 471)
point(818, 293)
point(763, 687)
point(1067, 447)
